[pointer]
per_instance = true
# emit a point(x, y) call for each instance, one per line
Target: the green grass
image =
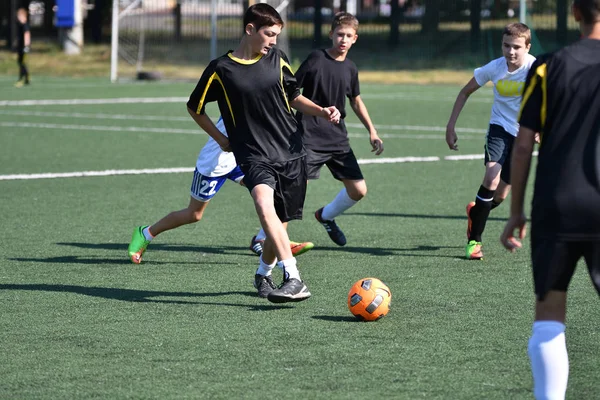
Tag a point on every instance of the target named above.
point(80, 321)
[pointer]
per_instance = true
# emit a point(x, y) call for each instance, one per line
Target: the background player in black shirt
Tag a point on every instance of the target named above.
point(23, 43)
point(255, 90)
point(562, 102)
point(328, 77)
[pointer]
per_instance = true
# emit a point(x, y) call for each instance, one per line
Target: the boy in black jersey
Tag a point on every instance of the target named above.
point(23, 43)
point(255, 90)
point(561, 102)
point(328, 77)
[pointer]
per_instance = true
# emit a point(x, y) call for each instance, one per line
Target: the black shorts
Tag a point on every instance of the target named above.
point(342, 164)
point(554, 261)
point(287, 179)
point(498, 148)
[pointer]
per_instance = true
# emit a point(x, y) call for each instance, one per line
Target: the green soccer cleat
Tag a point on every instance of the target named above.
point(138, 245)
point(300, 248)
point(473, 250)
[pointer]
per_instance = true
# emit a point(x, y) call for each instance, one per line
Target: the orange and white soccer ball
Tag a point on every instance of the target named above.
point(369, 299)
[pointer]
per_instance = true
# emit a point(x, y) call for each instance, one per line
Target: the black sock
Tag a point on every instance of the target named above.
point(480, 212)
point(496, 203)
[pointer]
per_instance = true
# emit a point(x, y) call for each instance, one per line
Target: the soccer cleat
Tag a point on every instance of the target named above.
point(256, 245)
point(20, 83)
point(264, 285)
point(138, 245)
point(469, 222)
point(474, 251)
point(291, 290)
point(334, 231)
point(300, 248)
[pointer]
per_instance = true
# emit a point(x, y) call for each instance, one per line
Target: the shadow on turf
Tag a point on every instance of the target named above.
point(393, 251)
point(162, 247)
point(424, 216)
point(141, 296)
point(97, 261)
point(332, 318)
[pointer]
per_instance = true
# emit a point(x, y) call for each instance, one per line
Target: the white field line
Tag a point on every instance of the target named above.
point(126, 117)
point(66, 102)
point(139, 100)
point(112, 172)
point(104, 128)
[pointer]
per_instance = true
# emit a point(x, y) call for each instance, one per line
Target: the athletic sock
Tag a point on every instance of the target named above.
point(147, 234)
point(264, 268)
point(290, 270)
point(480, 212)
point(549, 360)
point(261, 235)
point(341, 203)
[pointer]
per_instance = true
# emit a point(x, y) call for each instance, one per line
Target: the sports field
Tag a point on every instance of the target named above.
point(83, 162)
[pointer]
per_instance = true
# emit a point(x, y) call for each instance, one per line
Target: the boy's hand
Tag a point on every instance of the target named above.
point(508, 239)
point(537, 138)
point(376, 144)
point(451, 138)
point(332, 114)
point(26, 49)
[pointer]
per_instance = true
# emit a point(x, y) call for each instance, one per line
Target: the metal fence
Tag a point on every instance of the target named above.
point(404, 34)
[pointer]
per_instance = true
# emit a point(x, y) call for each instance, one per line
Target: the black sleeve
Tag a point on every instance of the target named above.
point(290, 84)
point(354, 84)
point(208, 89)
point(533, 97)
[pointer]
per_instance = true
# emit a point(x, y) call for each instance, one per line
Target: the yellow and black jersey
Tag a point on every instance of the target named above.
point(562, 101)
point(254, 99)
point(327, 82)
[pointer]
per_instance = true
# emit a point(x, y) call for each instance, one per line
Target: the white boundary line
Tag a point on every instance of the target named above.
point(149, 171)
point(105, 128)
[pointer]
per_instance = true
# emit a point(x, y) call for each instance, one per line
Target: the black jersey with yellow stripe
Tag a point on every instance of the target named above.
point(562, 101)
point(254, 99)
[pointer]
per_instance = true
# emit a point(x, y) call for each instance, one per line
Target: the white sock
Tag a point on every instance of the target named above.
point(264, 268)
point(290, 270)
point(341, 203)
point(147, 234)
point(549, 360)
point(261, 235)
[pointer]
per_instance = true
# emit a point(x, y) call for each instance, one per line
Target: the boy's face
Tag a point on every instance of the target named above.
point(514, 50)
point(263, 39)
point(343, 37)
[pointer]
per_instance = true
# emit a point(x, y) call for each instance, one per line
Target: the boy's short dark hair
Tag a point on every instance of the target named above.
point(344, 18)
point(518, 29)
point(262, 14)
point(590, 10)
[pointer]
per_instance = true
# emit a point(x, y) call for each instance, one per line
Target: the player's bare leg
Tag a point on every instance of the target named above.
point(277, 247)
point(143, 235)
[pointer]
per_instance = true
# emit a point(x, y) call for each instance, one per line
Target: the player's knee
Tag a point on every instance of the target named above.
point(358, 191)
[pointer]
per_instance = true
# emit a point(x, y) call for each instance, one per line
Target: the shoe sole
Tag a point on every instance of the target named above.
point(286, 299)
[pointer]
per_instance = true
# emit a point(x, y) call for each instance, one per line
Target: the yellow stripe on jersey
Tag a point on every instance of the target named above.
point(285, 65)
point(214, 76)
point(245, 62)
point(542, 71)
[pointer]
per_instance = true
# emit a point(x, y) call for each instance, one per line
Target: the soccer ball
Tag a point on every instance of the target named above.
point(369, 299)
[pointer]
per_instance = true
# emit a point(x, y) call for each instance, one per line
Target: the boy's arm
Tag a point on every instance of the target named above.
point(207, 125)
point(360, 109)
point(461, 99)
point(519, 173)
point(26, 41)
point(306, 106)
